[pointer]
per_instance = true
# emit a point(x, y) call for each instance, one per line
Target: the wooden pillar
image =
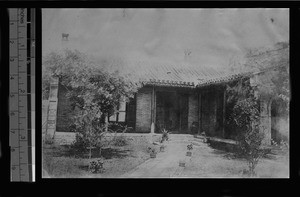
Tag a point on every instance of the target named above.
point(153, 110)
point(265, 121)
point(52, 112)
point(199, 114)
point(224, 112)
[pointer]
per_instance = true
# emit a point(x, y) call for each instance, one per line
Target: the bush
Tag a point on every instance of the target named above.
point(120, 141)
point(165, 135)
point(96, 166)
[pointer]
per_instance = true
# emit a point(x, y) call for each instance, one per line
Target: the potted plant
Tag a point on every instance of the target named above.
point(96, 166)
point(190, 148)
point(182, 163)
point(152, 153)
point(204, 137)
point(165, 135)
point(162, 148)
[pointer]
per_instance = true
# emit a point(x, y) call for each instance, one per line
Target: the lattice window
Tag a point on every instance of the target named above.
point(120, 114)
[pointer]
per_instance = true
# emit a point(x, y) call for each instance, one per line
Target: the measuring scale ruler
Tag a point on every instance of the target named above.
point(22, 93)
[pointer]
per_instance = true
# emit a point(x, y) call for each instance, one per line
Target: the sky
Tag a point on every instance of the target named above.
point(209, 37)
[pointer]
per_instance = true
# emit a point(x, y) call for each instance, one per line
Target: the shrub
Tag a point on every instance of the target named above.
point(120, 141)
point(165, 135)
point(245, 118)
point(190, 147)
point(96, 166)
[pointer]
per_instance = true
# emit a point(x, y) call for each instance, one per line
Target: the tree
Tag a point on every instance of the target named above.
point(272, 68)
point(245, 117)
point(269, 81)
point(93, 92)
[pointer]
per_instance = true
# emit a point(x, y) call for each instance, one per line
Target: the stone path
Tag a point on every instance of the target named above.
point(205, 162)
point(166, 164)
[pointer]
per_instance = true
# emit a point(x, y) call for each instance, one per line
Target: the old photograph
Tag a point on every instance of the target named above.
point(165, 93)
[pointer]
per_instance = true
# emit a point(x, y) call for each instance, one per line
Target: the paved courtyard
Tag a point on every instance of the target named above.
point(205, 162)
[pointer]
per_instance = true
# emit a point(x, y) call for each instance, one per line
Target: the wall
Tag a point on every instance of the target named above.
point(208, 113)
point(212, 111)
point(281, 126)
point(265, 121)
point(143, 110)
point(279, 122)
point(64, 111)
point(45, 105)
point(193, 110)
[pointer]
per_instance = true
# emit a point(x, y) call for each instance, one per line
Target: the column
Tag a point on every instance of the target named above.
point(199, 114)
point(224, 112)
point(51, 118)
point(153, 110)
point(265, 121)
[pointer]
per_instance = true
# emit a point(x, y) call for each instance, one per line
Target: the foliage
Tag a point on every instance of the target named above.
point(152, 150)
point(93, 93)
point(165, 135)
point(96, 166)
point(270, 82)
point(190, 146)
point(162, 148)
point(120, 140)
point(245, 118)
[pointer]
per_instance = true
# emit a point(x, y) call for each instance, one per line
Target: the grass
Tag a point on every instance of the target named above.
point(219, 161)
point(216, 160)
point(65, 162)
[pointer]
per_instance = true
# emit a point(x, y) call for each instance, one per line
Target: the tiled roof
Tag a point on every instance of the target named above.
point(222, 79)
point(175, 75)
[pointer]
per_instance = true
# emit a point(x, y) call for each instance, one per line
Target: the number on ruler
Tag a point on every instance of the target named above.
point(12, 77)
point(11, 59)
point(12, 96)
point(12, 113)
point(13, 131)
point(22, 91)
point(11, 41)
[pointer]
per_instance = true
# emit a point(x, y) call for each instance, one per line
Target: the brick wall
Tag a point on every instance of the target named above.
point(209, 110)
point(193, 109)
point(64, 111)
point(143, 111)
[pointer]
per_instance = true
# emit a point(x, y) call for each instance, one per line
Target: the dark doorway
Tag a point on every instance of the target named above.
point(183, 113)
point(131, 113)
point(171, 112)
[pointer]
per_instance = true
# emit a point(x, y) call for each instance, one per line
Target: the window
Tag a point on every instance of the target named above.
point(120, 115)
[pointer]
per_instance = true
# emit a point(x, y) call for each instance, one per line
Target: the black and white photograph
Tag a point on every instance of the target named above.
point(165, 93)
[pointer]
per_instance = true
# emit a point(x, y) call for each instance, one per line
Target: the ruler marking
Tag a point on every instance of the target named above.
point(22, 49)
point(18, 88)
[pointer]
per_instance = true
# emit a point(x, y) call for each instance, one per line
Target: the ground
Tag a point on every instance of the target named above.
point(133, 161)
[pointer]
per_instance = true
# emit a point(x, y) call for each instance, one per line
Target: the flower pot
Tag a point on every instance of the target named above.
point(182, 164)
point(152, 155)
point(189, 153)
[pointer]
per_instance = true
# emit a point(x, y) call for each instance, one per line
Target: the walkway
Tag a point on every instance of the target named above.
point(166, 164)
point(205, 162)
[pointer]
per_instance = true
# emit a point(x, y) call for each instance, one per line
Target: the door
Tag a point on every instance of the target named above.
point(183, 112)
point(131, 113)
